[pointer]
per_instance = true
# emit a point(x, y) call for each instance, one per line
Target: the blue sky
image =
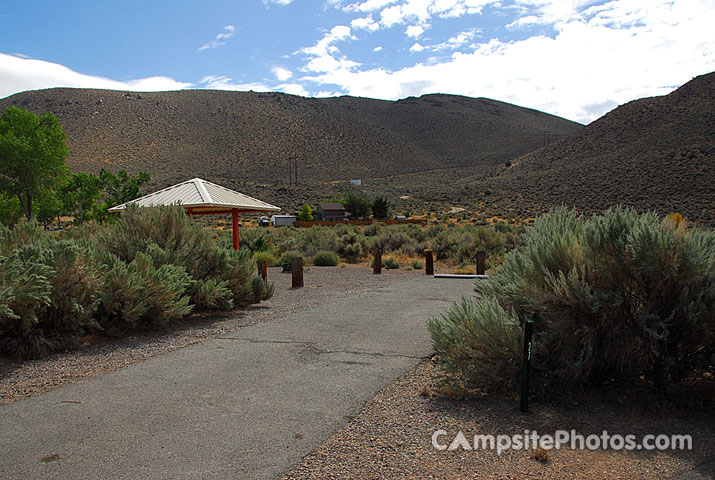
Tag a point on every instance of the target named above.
point(573, 58)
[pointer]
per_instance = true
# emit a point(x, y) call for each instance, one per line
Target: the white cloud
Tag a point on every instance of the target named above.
point(600, 56)
point(279, 2)
point(377, 49)
point(220, 82)
point(368, 5)
point(20, 74)
point(293, 89)
point(365, 23)
point(458, 41)
point(418, 12)
point(414, 31)
point(220, 40)
point(324, 56)
point(416, 47)
point(282, 73)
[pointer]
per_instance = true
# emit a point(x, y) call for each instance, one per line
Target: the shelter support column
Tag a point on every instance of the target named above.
point(234, 214)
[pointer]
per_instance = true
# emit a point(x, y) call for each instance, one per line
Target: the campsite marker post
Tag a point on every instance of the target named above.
point(526, 364)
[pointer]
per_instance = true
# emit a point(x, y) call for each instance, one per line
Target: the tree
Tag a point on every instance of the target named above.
point(122, 187)
point(80, 196)
point(48, 207)
point(10, 210)
point(358, 207)
point(306, 214)
point(32, 155)
point(380, 208)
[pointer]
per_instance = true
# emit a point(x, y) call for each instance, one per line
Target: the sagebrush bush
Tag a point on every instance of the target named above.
point(325, 258)
point(267, 257)
point(390, 263)
point(150, 268)
point(614, 297)
point(417, 265)
point(352, 246)
point(478, 345)
point(288, 256)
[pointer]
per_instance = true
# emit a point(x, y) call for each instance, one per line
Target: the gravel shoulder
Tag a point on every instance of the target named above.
point(99, 355)
point(391, 438)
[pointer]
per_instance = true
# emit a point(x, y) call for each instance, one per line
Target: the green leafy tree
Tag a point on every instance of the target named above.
point(32, 155)
point(122, 187)
point(80, 196)
point(380, 208)
point(357, 206)
point(10, 210)
point(306, 214)
point(48, 206)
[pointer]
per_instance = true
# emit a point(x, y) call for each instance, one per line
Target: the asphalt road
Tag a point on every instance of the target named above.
point(248, 405)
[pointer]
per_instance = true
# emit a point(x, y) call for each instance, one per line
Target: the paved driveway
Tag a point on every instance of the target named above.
point(247, 405)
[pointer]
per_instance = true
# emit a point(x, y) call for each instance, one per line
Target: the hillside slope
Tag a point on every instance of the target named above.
point(654, 153)
point(244, 139)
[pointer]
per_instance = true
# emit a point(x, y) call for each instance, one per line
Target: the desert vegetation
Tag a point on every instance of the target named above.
point(147, 270)
point(621, 298)
point(453, 244)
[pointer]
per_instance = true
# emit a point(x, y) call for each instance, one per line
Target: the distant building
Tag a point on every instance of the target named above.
point(331, 212)
point(283, 220)
point(356, 182)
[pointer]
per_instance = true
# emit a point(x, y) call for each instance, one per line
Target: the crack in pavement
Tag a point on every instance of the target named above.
point(320, 351)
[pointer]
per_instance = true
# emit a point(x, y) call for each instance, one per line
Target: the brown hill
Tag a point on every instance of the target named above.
point(244, 139)
point(653, 154)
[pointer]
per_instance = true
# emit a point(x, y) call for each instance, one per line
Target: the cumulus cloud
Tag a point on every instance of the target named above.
point(220, 40)
point(416, 47)
point(325, 56)
point(365, 23)
point(414, 31)
point(597, 57)
point(20, 74)
point(282, 73)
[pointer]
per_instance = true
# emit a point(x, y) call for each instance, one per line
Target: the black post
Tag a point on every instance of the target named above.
point(526, 364)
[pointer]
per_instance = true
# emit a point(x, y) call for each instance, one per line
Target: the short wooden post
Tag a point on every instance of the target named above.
point(263, 270)
point(377, 262)
point(429, 263)
point(297, 272)
point(481, 262)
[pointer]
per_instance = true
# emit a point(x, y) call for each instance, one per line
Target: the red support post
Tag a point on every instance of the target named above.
point(234, 214)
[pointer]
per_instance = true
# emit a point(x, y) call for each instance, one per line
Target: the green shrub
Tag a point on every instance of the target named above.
point(267, 257)
point(352, 246)
point(150, 268)
point(478, 346)
point(288, 256)
point(620, 296)
point(390, 263)
point(25, 289)
point(314, 239)
point(325, 259)
point(76, 284)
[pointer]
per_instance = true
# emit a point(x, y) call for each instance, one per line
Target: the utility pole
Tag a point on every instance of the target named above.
point(292, 170)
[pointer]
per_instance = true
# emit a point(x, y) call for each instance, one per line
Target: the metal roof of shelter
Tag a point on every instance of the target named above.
point(199, 196)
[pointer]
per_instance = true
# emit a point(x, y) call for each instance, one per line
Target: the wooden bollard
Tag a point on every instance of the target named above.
point(297, 272)
point(263, 270)
point(377, 262)
point(481, 262)
point(429, 263)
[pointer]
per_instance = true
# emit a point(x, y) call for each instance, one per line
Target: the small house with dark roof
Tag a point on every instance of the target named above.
point(331, 212)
